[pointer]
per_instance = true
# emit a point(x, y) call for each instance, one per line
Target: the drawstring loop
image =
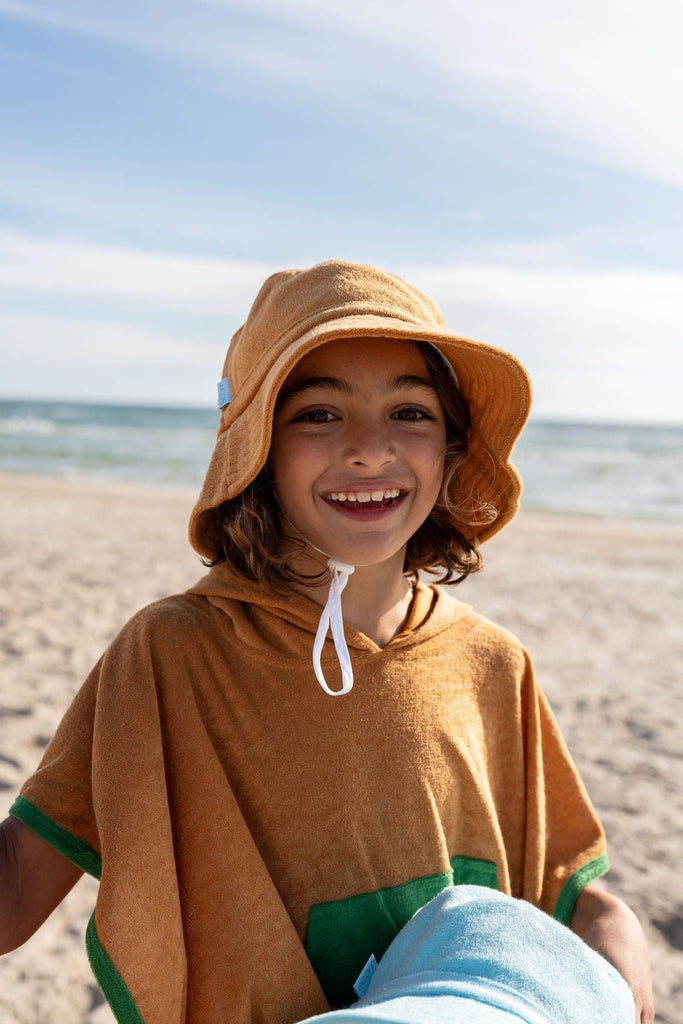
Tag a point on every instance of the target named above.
point(332, 617)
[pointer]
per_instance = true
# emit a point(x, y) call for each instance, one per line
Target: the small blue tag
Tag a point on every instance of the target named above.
point(224, 395)
point(362, 983)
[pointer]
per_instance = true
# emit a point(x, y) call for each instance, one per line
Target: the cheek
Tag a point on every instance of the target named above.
point(432, 459)
point(435, 484)
point(292, 469)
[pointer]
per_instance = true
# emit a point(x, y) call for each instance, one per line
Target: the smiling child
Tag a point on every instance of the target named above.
point(267, 805)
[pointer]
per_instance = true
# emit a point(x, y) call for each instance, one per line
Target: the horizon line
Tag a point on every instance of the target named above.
point(190, 406)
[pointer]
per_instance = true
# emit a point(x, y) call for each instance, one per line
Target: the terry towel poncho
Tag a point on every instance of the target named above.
point(257, 840)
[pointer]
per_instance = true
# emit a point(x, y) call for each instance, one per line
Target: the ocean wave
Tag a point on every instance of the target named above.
point(622, 470)
point(27, 425)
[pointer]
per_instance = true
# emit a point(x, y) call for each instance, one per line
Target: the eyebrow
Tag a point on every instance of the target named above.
point(403, 382)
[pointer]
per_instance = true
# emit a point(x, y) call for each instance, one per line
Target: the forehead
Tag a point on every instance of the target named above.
point(360, 359)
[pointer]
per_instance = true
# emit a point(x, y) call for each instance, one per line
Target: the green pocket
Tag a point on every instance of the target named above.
point(343, 934)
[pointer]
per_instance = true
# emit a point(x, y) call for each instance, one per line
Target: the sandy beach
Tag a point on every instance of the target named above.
point(599, 604)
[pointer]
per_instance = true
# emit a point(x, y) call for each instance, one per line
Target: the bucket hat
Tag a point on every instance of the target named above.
point(298, 310)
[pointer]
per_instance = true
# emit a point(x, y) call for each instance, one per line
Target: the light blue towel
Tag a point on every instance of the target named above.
point(475, 956)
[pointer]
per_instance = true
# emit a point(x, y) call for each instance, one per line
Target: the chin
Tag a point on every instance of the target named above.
point(369, 557)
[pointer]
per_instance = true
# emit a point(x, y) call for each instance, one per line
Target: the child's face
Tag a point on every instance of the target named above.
point(358, 447)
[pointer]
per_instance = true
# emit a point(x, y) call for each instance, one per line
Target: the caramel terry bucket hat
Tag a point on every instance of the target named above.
point(296, 311)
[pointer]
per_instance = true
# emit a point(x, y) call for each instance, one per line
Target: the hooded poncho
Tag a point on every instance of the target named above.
point(257, 840)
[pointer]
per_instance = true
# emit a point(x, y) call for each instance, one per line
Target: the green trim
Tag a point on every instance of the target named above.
point(468, 871)
point(342, 934)
point(85, 857)
point(112, 984)
point(573, 886)
point(74, 849)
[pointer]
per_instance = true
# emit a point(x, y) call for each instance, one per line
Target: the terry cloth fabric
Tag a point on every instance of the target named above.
point(474, 956)
point(256, 841)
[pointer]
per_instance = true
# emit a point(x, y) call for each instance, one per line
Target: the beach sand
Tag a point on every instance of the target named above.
point(599, 604)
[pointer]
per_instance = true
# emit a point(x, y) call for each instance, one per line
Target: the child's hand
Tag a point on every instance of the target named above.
point(608, 926)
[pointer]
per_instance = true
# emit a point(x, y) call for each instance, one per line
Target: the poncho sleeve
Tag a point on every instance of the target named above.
point(564, 843)
point(100, 798)
point(131, 790)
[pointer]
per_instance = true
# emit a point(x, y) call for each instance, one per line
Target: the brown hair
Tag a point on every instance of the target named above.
point(248, 527)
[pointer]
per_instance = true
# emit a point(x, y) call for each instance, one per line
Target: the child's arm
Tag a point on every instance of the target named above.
point(34, 879)
point(606, 924)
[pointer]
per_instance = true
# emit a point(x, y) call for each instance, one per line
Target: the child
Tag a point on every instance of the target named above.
point(257, 838)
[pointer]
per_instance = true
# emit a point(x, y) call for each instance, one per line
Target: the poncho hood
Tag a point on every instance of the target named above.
point(260, 613)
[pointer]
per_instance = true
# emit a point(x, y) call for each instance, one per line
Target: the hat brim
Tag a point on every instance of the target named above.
point(494, 384)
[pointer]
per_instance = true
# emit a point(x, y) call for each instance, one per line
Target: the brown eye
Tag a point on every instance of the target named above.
point(314, 416)
point(411, 414)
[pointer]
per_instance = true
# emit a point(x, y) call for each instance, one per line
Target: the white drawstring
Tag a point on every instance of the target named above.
point(332, 616)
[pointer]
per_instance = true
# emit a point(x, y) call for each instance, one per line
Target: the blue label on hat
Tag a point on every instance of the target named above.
point(224, 395)
point(363, 980)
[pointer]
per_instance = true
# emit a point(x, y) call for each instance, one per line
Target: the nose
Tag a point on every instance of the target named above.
point(369, 444)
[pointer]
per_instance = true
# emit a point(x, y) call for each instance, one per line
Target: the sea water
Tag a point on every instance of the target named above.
point(627, 471)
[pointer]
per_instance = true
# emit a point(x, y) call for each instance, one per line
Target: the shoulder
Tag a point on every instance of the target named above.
point(170, 612)
point(168, 623)
point(163, 648)
point(478, 637)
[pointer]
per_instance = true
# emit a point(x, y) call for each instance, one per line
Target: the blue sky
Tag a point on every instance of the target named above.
point(522, 163)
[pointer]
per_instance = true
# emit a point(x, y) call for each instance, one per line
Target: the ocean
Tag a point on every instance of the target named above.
point(625, 471)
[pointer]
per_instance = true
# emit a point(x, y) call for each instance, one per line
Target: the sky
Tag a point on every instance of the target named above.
point(520, 162)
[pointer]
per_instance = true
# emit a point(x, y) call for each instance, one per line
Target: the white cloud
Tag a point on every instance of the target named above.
point(51, 356)
point(628, 306)
point(596, 80)
point(600, 343)
point(56, 267)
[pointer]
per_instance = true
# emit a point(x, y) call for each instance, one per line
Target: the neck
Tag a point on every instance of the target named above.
point(376, 600)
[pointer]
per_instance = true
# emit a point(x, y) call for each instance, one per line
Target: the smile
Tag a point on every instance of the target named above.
point(370, 499)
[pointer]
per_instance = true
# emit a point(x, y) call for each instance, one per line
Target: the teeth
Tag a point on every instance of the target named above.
point(364, 496)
